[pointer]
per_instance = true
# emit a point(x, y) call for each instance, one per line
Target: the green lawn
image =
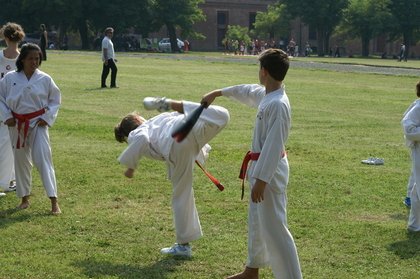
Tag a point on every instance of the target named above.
point(347, 218)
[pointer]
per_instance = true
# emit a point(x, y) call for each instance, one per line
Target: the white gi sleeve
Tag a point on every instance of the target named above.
point(137, 146)
point(274, 143)
point(54, 102)
point(411, 125)
point(248, 94)
point(5, 112)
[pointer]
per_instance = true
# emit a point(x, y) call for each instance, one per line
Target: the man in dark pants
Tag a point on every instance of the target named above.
point(108, 58)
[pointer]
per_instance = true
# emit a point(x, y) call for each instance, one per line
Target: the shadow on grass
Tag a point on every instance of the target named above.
point(408, 248)
point(15, 215)
point(7, 216)
point(161, 269)
point(97, 89)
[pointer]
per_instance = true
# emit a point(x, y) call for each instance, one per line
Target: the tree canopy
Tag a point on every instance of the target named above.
point(357, 18)
point(90, 17)
point(273, 23)
point(366, 19)
point(324, 15)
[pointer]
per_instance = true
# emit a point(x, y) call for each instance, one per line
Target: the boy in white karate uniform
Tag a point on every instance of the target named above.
point(269, 240)
point(152, 139)
point(411, 127)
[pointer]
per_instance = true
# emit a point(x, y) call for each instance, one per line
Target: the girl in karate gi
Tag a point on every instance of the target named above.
point(12, 34)
point(269, 240)
point(152, 139)
point(411, 127)
point(29, 101)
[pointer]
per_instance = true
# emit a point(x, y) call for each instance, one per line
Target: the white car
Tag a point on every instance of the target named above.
point(165, 45)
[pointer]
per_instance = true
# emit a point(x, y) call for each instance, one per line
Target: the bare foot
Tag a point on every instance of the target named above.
point(24, 203)
point(248, 273)
point(55, 209)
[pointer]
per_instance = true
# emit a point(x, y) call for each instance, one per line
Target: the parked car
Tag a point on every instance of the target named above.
point(165, 45)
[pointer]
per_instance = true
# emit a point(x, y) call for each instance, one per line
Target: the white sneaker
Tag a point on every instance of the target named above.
point(12, 187)
point(373, 161)
point(160, 103)
point(177, 250)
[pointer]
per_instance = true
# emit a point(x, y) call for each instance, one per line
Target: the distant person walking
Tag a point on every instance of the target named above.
point(108, 59)
point(43, 41)
point(403, 54)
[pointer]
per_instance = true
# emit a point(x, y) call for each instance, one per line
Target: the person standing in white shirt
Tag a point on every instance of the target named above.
point(13, 34)
point(108, 59)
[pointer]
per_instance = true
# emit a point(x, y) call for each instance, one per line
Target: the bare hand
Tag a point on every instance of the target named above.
point(11, 122)
point(257, 192)
point(210, 97)
point(129, 173)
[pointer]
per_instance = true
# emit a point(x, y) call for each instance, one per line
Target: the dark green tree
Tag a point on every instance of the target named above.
point(177, 15)
point(366, 19)
point(85, 17)
point(236, 33)
point(406, 22)
point(324, 15)
point(273, 23)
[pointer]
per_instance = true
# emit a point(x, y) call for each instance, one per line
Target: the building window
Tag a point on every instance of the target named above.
point(222, 18)
point(222, 24)
point(252, 17)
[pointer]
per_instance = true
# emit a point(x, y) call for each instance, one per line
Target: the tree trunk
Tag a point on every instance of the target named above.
point(320, 41)
point(83, 31)
point(62, 44)
point(327, 36)
point(365, 47)
point(407, 41)
point(172, 37)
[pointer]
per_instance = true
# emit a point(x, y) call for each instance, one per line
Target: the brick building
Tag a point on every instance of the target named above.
point(221, 13)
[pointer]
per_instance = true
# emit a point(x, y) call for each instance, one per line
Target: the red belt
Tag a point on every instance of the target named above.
point(24, 119)
point(248, 157)
point(211, 177)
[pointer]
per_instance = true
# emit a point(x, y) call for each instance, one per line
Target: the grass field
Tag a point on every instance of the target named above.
point(347, 218)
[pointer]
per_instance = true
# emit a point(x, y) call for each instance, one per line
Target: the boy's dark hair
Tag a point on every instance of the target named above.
point(13, 31)
point(127, 124)
point(24, 51)
point(276, 62)
point(418, 89)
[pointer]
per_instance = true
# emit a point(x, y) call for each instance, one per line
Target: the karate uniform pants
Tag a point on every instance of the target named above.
point(414, 217)
point(412, 178)
point(269, 240)
point(7, 167)
point(37, 150)
point(180, 169)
